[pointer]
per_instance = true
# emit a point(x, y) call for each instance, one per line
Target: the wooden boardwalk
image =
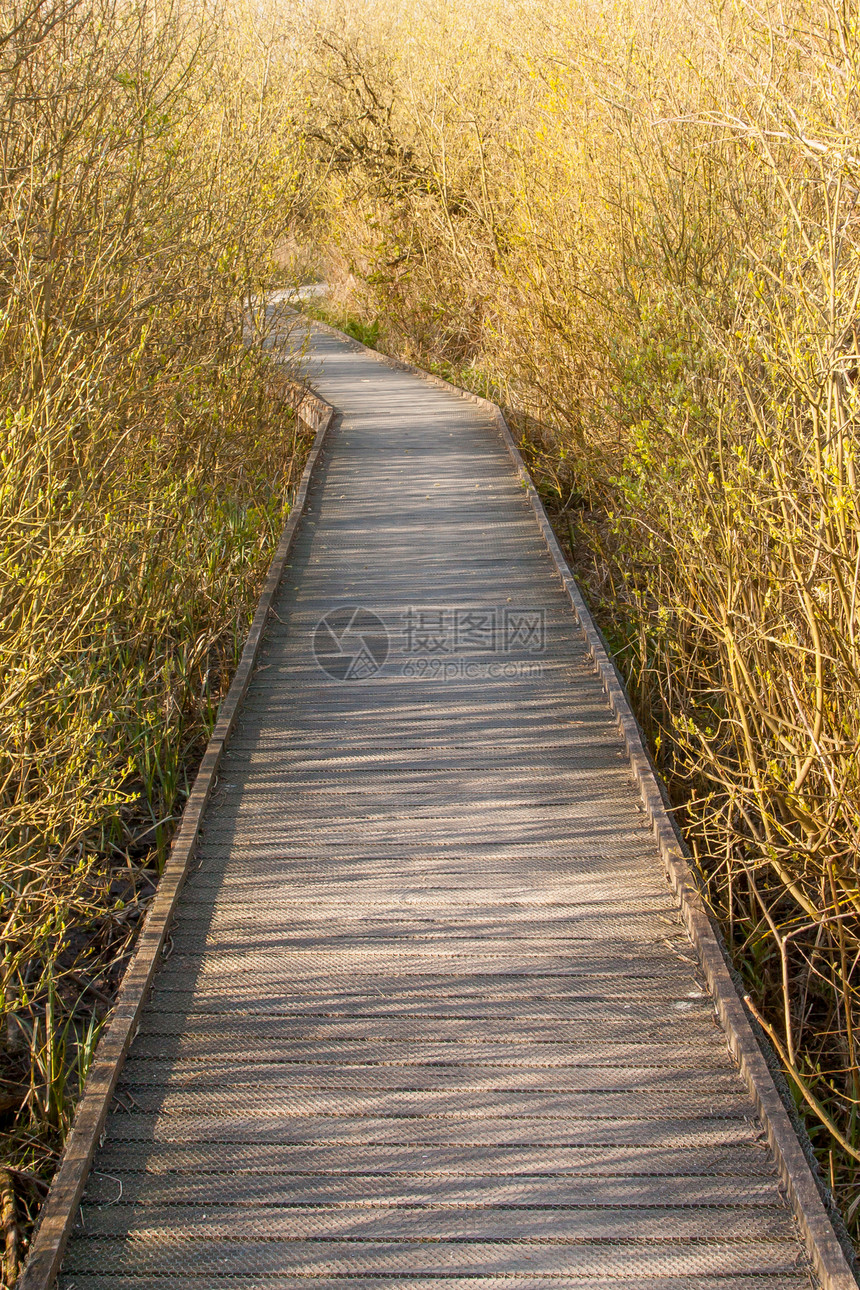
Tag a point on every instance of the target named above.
point(429, 1018)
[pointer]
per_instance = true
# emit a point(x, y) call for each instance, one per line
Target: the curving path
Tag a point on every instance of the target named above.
point(430, 1019)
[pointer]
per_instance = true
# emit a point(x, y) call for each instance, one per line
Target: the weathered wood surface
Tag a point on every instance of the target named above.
point(430, 1012)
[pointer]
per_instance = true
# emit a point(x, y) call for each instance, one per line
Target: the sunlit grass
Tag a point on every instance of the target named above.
point(148, 167)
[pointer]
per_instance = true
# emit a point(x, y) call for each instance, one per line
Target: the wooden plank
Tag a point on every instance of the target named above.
point(426, 954)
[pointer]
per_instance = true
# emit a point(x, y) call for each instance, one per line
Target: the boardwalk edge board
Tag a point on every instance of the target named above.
point(832, 1262)
point(60, 1207)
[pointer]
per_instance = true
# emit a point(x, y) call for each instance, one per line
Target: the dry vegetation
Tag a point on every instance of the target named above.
point(639, 224)
point(636, 224)
point(148, 163)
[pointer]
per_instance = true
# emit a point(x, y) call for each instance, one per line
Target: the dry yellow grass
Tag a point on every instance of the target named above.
point(148, 163)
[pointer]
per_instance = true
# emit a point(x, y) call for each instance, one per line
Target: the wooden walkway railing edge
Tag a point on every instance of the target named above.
point(58, 1212)
point(831, 1259)
point(830, 1252)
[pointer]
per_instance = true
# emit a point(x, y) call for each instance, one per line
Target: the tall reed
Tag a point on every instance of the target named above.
point(148, 164)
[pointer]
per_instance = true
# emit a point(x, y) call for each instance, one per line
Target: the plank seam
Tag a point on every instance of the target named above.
point(833, 1263)
point(58, 1212)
